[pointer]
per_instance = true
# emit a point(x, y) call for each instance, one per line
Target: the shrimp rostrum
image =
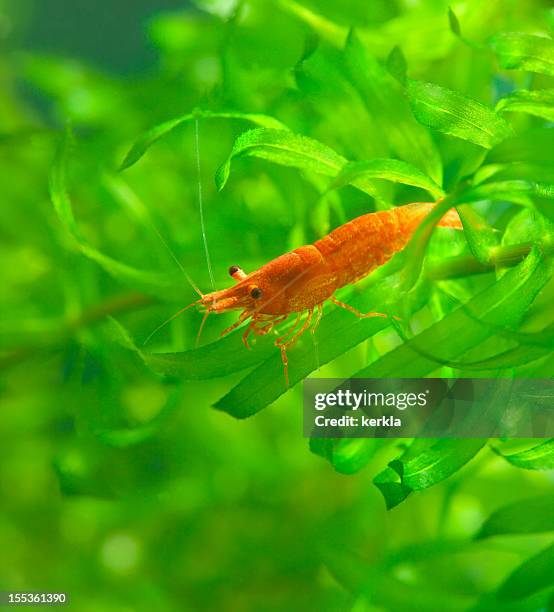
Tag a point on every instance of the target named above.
point(300, 281)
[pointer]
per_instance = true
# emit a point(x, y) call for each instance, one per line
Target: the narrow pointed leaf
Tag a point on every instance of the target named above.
point(424, 463)
point(154, 283)
point(346, 455)
point(533, 515)
point(213, 360)
point(285, 148)
point(413, 255)
point(532, 146)
point(540, 457)
point(539, 103)
point(441, 460)
point(146, 140)
point(288, 149)
point(392, 489)
point(516, 50)
point(512, 191)
point(503, 302)
point(385, 100)
point(396, 65)
point(454, 23)
point(387, 169)
point(481, 238)
point(534, 574)
point(452, 113)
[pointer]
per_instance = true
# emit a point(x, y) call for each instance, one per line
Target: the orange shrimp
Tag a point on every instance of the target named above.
point(302, 280)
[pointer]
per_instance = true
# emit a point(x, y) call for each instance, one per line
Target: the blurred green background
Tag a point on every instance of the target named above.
point(119, 483)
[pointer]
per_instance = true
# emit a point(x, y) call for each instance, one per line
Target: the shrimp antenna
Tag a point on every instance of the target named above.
point(126, 195)
point(171, 318)
point(185, 273)
point(201, 202)
point(201, 328)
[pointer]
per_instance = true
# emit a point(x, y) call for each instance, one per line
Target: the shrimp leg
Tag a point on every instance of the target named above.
point(268, 327)
point(290, 341)
point(289, 330)
point(317, 319)
point(245, 315)
point(360, 315)
point(250, 327)
point(313, 332)
point(264, 329)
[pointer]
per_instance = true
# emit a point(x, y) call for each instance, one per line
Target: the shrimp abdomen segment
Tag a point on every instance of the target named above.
point(356, 248)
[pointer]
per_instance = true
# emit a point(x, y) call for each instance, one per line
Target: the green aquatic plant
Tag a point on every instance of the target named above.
point(290, 118)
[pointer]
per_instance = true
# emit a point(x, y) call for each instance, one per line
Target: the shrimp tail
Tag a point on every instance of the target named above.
point(451, 219)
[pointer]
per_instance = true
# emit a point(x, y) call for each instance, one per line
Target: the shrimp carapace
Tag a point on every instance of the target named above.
point(302, 280)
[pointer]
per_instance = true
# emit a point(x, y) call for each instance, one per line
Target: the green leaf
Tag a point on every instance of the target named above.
point(456, 29)
point(503, 304)
point(413, 254)
point(393, 490)
point(346, 455)
point(534, 574)
point(339, 109)
point(288, 149)
point(516, 50)
point(532, 515)
point(527, 226)
point(396, 64)
point(511, 191)
point(388, 169)
point(454, 23)
point(540, 457)
point(146, 140)
point(438, 461)
point(154, 283)
point(531, 347)
point(505, 360)
point(481, 238)
point(213, 360)
point(532, 146)
point(285, 148)
point(531, 172)
point(539, 103)
point(452, 113)
point(385, 100)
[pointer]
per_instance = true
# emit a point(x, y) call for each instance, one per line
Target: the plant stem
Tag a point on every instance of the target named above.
point(463, 265)
point(111, 306)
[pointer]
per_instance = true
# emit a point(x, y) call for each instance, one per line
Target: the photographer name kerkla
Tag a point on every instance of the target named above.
point(352, 421)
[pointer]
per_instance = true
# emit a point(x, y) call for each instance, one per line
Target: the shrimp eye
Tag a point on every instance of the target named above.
point(256, 293)
point(233, 270)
